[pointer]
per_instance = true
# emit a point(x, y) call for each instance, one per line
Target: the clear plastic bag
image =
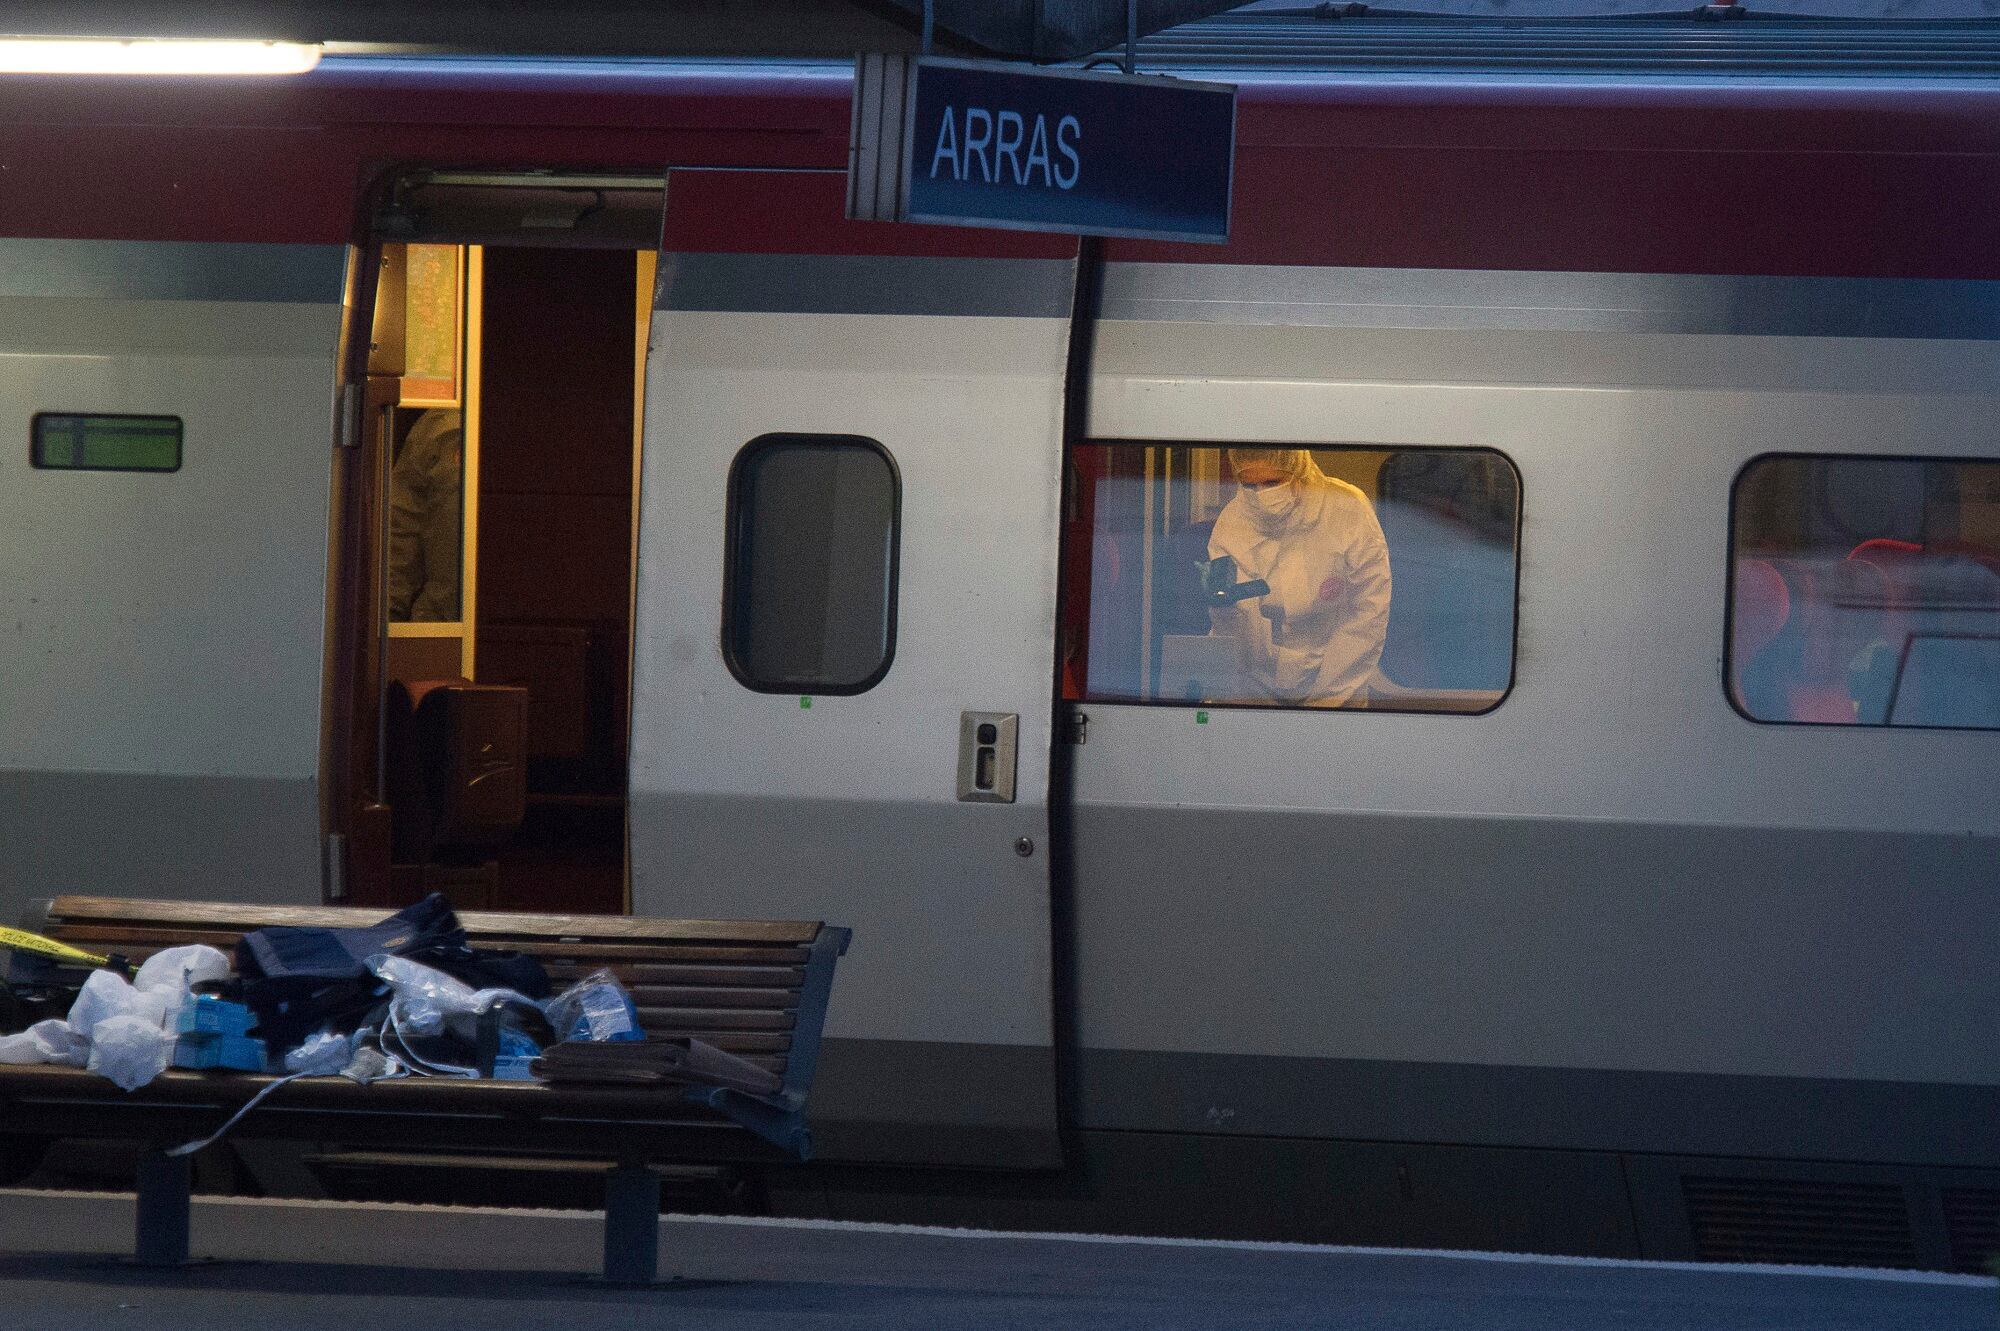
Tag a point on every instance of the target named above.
point(426, 1002)
point(371, 1064)
point(130, 1051)
point(425, 996)
point(105, 996)
point(178, 969)
point(422, 995)
point(124, 1029)
point(594, 1008)
point(50, 1041)
point(322, 1055)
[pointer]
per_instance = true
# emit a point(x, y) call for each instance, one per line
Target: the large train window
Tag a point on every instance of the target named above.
point(1866, 592)
point(809, 603)
point(1352, 575)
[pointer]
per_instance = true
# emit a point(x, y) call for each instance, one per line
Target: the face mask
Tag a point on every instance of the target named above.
point(1274, 501)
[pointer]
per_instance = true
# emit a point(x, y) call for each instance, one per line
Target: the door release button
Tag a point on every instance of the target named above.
point(986, 748)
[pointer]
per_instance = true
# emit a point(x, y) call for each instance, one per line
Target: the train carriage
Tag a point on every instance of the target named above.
point(856, 571)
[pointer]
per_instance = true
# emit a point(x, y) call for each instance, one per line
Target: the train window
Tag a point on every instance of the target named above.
point(67, 441)
point(809, 604)
point(1351, 575)
point(1866, 592)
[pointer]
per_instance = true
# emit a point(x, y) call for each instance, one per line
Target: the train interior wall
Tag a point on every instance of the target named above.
point(555, 557)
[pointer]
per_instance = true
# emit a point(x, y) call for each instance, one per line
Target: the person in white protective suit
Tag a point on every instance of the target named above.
point(1315, 638)
point(425, 520)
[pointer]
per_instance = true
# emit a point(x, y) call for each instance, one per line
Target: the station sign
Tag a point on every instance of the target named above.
point(974, 143)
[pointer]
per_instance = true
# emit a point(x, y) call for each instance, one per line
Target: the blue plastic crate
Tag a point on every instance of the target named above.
point(205, 1014)
point(202, 1051)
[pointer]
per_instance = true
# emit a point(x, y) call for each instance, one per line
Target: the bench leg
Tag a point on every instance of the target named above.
point(165, 1185)
point(631, 1225)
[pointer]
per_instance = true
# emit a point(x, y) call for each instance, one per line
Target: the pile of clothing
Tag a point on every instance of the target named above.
point(407, 997)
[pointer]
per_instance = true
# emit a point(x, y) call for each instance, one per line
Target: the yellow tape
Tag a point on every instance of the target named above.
point(20, 940)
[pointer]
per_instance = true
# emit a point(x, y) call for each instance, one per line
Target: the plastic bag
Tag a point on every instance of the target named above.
point(50, 1041)
point(594, 1008)
point(129, 1050)
point(322, 1055)
point(424, 997)
point(178, 969)
point(371, 1064)
point(124, 1027)
point(431, 1026)
point(105, 996)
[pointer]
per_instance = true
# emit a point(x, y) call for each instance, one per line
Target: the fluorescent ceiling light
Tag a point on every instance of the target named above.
point(98, 55)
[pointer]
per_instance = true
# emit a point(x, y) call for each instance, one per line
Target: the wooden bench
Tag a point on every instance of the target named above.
point(756, 988)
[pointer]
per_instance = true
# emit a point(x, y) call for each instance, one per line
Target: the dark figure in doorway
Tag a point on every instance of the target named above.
point(426, 528)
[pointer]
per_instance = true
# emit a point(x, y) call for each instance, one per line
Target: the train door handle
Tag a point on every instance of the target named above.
point(986, 751)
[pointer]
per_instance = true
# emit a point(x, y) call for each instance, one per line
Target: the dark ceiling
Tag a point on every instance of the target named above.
point(1023, 29)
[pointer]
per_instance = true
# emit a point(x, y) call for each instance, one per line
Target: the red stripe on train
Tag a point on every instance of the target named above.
point(1865, 180)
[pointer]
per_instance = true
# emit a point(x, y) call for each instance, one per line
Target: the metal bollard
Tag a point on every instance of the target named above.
point(165, 1185)
point(631, 1225)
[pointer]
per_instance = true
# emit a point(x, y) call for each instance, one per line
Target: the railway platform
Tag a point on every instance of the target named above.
point(337, 1265)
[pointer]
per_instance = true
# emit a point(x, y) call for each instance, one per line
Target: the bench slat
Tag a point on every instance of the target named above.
point(152, 940)
point(479, 924)
point(642, 953)
point(741, 1042)
point(523, 1100)
point(683, 1021)
point(728, 999)
point(708, 965)
point(746, 976)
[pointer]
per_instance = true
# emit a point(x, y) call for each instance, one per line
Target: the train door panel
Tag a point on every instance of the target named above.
point(844, 649)
point(163, 566)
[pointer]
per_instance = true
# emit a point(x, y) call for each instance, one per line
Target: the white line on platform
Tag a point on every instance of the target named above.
point(1124, 1240)
point(1331, 1249)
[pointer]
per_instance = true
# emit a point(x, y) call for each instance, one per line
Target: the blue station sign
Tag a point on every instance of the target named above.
point(1049, 150)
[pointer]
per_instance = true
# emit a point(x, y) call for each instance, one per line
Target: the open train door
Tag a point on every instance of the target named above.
point(844, 645)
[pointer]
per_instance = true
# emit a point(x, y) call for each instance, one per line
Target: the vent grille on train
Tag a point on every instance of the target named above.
point(1354, 39)
point(1799, 1221)
point(1972, 1223)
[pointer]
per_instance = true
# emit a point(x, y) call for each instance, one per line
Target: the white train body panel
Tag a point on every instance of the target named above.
point(749, 803)
point(160, 634)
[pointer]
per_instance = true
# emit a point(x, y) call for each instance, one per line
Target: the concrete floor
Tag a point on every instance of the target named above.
point(391, 1268)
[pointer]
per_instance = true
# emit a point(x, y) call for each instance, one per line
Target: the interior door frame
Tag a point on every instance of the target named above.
point(354, 815)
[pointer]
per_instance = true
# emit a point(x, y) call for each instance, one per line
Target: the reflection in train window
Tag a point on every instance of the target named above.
point(1336, 576)
point(1866, 591)
point(810, 600)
